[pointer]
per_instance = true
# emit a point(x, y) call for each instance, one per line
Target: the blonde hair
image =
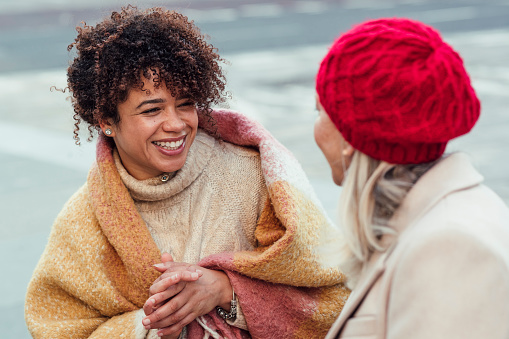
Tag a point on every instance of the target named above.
point(372, 192)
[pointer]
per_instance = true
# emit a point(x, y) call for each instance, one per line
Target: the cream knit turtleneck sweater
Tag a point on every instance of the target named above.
point(211, 205)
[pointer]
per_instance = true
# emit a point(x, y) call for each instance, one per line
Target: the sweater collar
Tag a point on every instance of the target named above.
point(154, 189)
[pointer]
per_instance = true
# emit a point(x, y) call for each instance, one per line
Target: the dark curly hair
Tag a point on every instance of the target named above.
point(155, 43)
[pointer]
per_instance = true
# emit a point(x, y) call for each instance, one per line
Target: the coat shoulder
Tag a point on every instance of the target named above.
point(476, 213)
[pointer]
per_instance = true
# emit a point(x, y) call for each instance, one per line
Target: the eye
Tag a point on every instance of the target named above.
point(186, 103)
point(151, 110)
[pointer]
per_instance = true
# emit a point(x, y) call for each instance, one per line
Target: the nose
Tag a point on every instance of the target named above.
point(173, 122)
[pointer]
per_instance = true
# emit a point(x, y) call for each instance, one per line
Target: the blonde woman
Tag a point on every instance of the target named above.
point(427, 244)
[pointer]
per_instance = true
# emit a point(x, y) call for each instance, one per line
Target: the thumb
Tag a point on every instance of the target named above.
point(165, 257)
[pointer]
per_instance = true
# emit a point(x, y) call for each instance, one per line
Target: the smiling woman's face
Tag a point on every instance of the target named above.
point(155, 131)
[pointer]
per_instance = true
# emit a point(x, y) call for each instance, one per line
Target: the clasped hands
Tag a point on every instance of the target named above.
point(182, 293)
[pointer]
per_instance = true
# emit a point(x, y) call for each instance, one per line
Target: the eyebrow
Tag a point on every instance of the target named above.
point(151, 101)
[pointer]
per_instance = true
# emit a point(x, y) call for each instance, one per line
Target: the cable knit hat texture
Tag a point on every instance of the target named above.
point(396, 91)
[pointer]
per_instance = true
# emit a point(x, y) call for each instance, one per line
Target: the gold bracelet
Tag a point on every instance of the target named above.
point(233, 310)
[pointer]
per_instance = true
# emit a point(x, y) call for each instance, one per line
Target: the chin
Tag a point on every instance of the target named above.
point(173, 167)
point(337, 180)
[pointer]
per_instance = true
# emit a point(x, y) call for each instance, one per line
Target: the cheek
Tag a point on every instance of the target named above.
point(195, 122)
point(192, 120)
point(317, 133)
point(322, 135)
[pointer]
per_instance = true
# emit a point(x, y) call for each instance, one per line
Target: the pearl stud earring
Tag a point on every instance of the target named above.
point(108, 131)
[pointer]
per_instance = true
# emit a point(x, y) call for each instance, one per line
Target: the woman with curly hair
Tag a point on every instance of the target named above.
point(426, 248)
point(193, 222)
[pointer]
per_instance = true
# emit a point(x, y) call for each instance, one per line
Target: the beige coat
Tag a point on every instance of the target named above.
point(447, 275)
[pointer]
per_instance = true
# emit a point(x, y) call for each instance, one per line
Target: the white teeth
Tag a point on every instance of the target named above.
point(173, 145)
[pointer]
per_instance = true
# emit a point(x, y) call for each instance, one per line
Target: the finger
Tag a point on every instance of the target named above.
point(170, 266)
point(157, 300)
point(167, 279)
point(176, 328)
point(182, 276)
point(181, 268)
point(190, 275)
point(164, 315)
point(176, 310)
point(175, 318)
point(150, 306)
point(159, 268)
point(167, 283)
point(191, 268)
point(162, 267)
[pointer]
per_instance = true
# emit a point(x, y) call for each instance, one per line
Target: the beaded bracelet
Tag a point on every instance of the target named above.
point(233, 310)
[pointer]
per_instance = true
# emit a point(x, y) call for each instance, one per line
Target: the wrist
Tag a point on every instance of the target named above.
point(226, 293)
point(230, 315)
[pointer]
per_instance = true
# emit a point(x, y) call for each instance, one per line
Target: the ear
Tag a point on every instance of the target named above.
point(106, 125)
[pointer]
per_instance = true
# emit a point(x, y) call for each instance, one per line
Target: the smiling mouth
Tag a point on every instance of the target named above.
point(170, 145)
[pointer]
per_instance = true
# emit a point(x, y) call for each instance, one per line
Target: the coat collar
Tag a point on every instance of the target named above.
point(453, 173)
point(376, 267)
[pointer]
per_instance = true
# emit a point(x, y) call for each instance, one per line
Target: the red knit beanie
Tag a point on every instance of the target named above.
point(396, 91)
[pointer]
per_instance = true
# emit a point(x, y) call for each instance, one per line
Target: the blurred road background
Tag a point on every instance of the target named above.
point(273, 48)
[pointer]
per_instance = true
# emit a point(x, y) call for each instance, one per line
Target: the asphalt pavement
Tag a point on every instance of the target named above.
point(273, 49)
